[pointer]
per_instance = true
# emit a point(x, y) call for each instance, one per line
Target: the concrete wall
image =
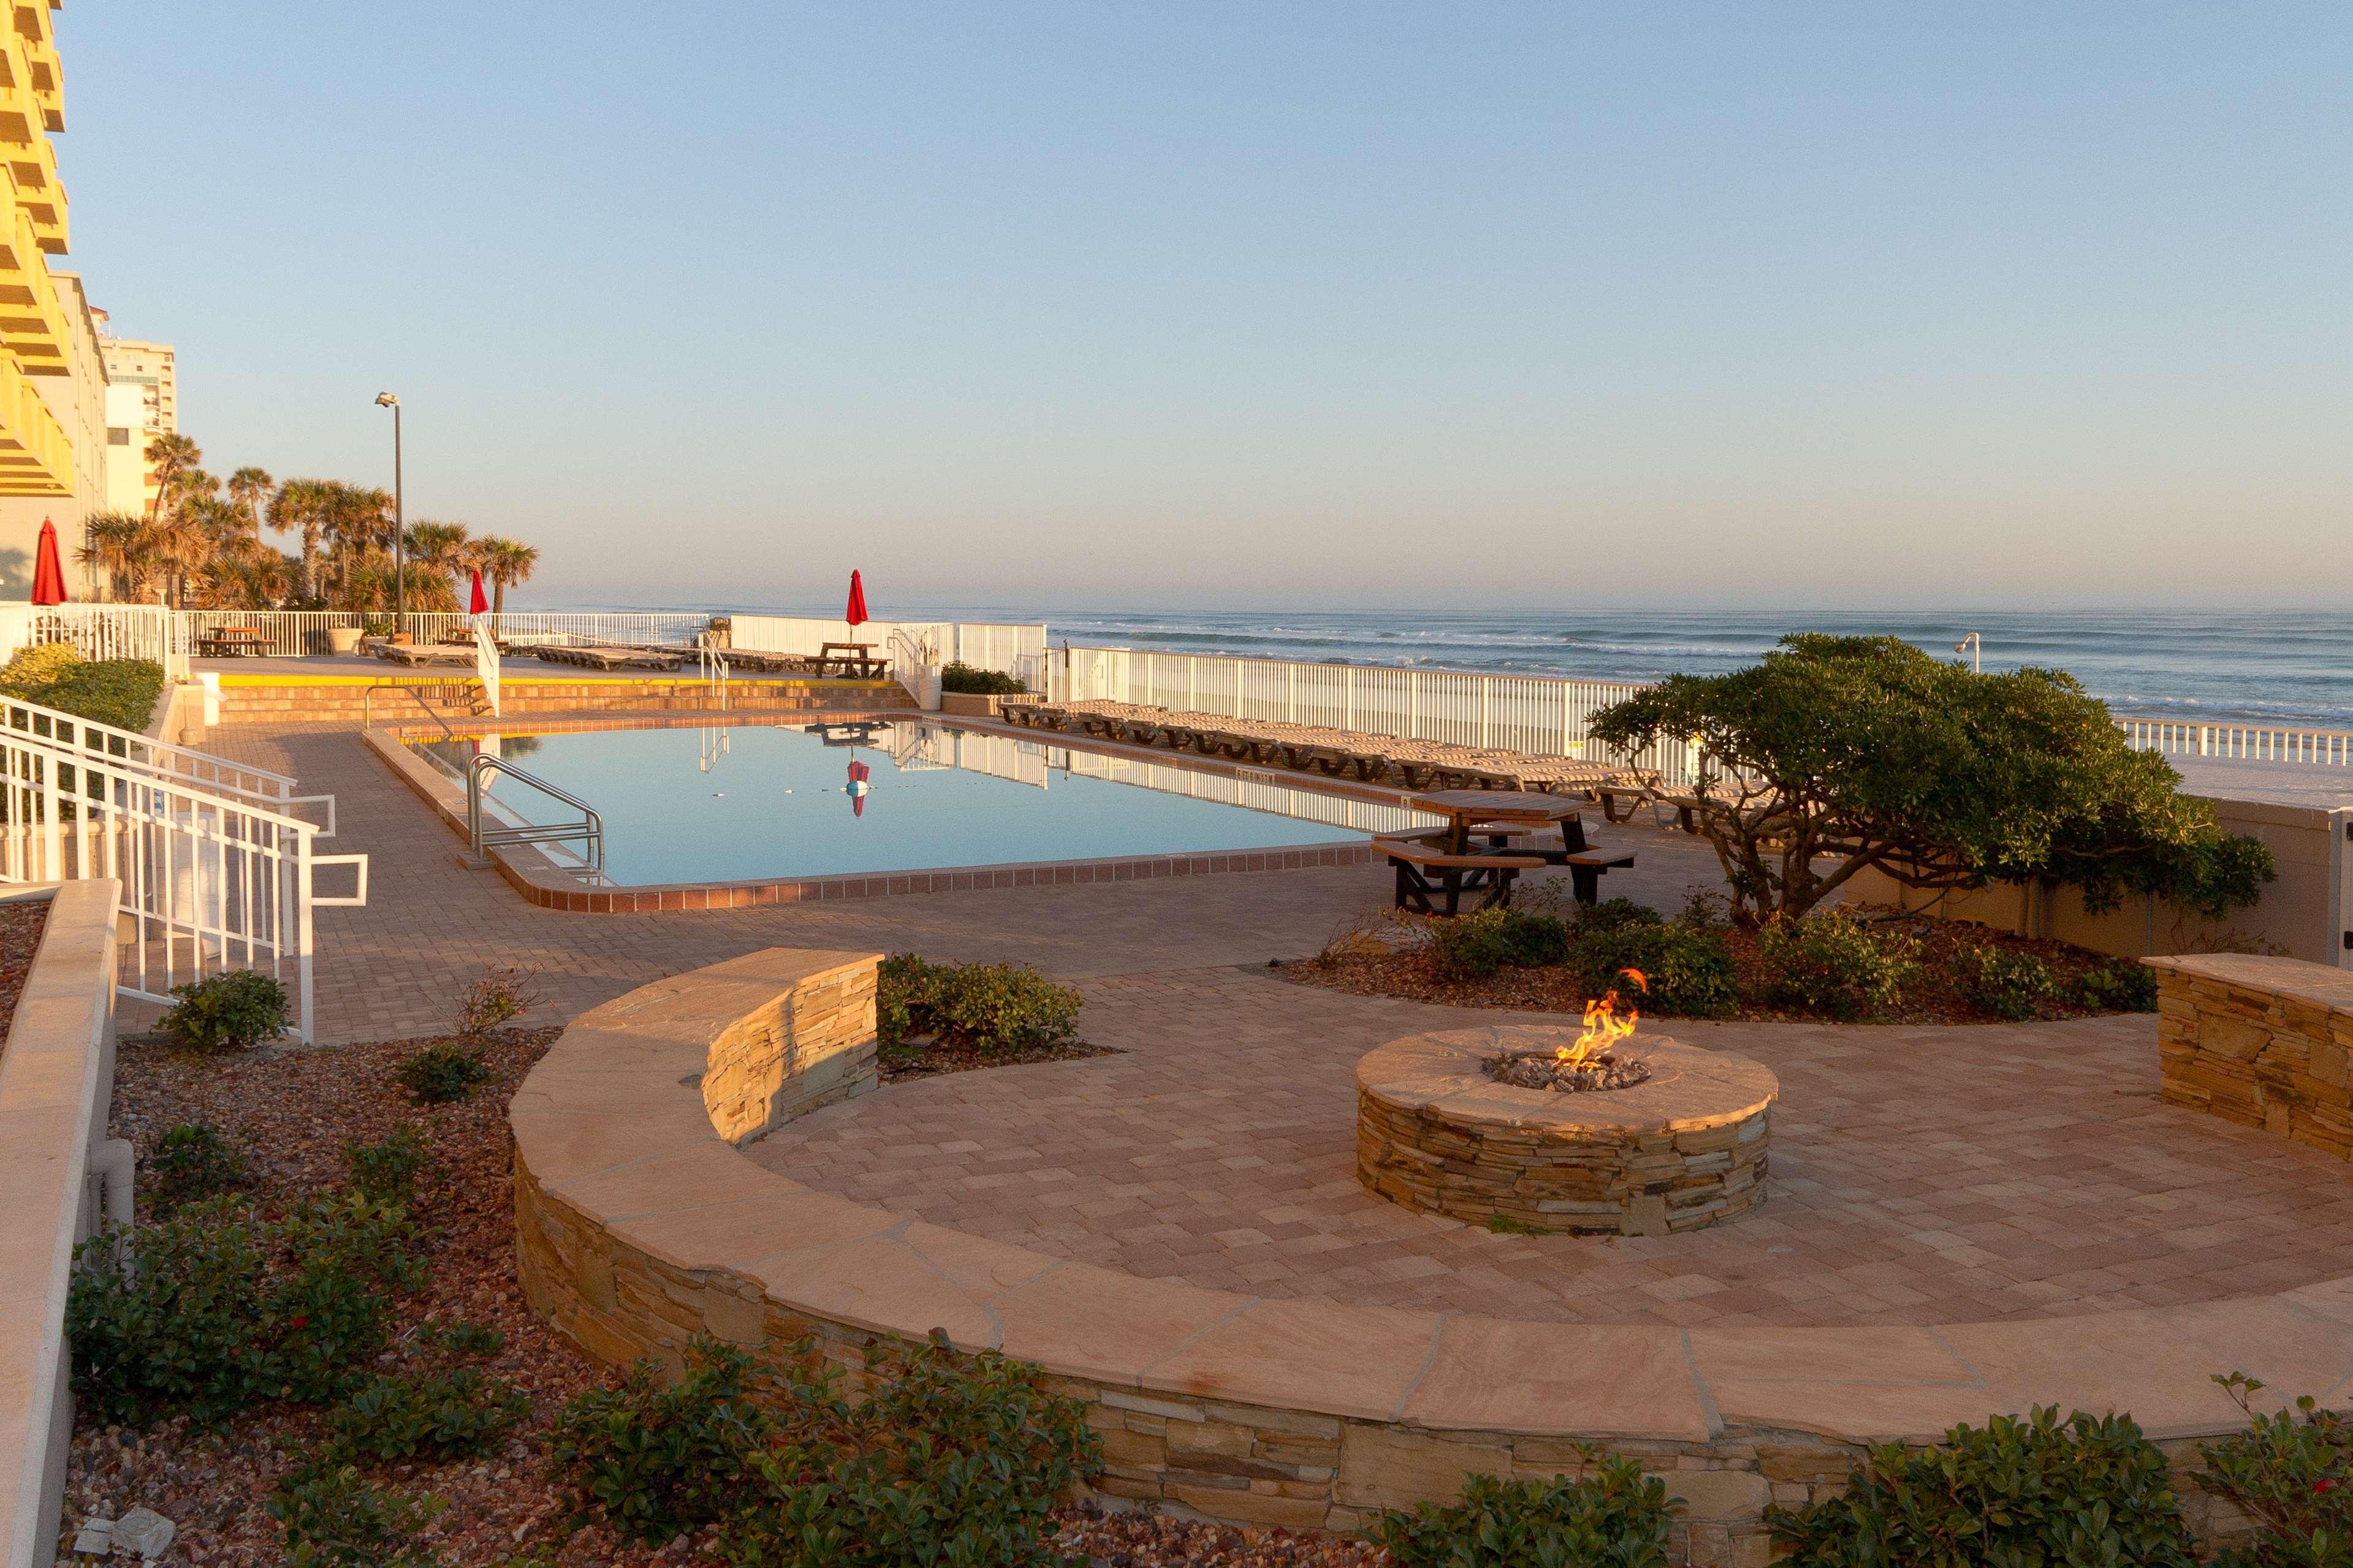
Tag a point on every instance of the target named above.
point(78, 400)
point(2302, 914)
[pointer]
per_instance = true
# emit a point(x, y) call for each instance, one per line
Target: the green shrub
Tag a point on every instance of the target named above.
point(963, 678)
point(991, 1006)
point(1832, 963)
point(2012, 986)
point(443, 1072)
point(454, 1416)
point(192, 1162)
point(948, 1459)
point(37, 667)
point(1476, 945)
point(332, 1516)
point(462, 1338)
point(1611, 915)
point(387, 1169)
point(228, 1012)
point(117, 691)
point(2123, 986)
point(652, 1460)
point(2292, 1476)
point(1614, 1518)
point(2026, 1492)
point(220, 1307)
point(1687, 971)
point(502, 995)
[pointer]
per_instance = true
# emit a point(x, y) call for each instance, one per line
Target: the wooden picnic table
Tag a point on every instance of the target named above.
point(1465, 809)
point(233, 642)
point(856, 658)
point(1503, 817)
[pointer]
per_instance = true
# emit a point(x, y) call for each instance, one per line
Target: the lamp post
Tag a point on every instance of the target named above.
point(399, 525)
point(1973, 647)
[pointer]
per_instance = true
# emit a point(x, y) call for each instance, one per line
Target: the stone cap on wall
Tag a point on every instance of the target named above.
point(2315, 984)
point(611, 1124)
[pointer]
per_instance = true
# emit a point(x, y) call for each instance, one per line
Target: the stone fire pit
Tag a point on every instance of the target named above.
point(1683, 1149)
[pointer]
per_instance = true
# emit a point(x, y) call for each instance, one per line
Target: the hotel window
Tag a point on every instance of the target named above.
point(118, 436)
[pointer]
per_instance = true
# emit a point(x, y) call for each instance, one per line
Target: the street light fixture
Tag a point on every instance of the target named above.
point(1973, 647)
point(399, 525)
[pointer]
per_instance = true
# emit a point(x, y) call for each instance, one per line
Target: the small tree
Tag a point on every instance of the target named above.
point(1836, 754)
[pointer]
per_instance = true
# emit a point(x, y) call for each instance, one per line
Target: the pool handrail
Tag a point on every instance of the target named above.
point(589, 829)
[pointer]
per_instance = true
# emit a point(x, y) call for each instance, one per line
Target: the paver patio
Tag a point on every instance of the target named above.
point(1919, 1175)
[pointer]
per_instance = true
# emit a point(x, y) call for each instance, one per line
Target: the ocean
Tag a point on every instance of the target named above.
point(2272, 667)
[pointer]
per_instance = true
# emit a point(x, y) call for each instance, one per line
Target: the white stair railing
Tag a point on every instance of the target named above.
point(211, 881)
point(132, 749)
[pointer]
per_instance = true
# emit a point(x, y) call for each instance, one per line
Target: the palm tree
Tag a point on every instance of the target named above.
point(247, 487)
point(185, 538)
point(301, 504)
point(169, 456)
point(358, 524)
point(119, 544)
point(507, 562)
point(438, 549)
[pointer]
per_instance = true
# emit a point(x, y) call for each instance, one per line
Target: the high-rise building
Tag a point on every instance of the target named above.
point(148, 367)
point(142, 401)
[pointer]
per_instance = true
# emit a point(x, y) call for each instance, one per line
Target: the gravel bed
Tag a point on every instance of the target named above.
point(292, 1112)
point(21, 925)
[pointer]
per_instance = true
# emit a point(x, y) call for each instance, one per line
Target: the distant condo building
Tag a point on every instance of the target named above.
point(142, 401)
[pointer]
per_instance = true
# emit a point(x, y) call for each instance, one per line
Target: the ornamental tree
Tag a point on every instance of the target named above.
point(1837, 753)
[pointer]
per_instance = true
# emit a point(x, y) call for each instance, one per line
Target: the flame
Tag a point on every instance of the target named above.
point(1606, 1023)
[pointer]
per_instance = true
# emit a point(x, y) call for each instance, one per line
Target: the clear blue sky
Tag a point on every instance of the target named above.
point(1252, 305)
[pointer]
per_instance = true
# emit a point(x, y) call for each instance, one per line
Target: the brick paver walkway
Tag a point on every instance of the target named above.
point(1919, 1175)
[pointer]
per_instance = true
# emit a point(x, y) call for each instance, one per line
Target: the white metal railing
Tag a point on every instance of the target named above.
point(131, 750)
point(713, 662)
point(1538, 715)
point(299, 633)
point(486, 665)
point(210, 881)
point(100, 631)
point(2240, 742)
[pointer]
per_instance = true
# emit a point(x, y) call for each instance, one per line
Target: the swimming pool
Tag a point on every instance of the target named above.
point(735, 803)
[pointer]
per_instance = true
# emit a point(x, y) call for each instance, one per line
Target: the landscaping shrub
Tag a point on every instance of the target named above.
point(1614, 1518)
point(192, 1162)
point(2036, 1491)
point(1474, 946)
point(462, 1338)
point(387, 1169)
point(990, 1006)
point(1832, 963)
point(441, 1072)
point(228, 1012)
point(1615, 915)
point(454, 1416)
point(332, 1516)
point(1688, 972)
point(117, 691)
point(947, 1460)
point(2123, 986)
point(2012, 986)
point(2292, 1476)
point(964, 678)
point(502, 995)
point(220, 1307)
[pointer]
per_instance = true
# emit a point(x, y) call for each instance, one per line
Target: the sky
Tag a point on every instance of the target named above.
point(1248, 306)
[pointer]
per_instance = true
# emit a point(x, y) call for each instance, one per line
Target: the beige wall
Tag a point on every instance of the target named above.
point(78, 400)
point(2302, 914)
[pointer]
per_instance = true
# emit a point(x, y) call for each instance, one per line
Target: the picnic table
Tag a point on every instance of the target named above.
point(1440, 868)
point(856, 658)
point(233, 642)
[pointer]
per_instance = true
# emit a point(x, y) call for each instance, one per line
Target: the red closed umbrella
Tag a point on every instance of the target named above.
point(50, 572)
point(855, 614)
point(482, 601)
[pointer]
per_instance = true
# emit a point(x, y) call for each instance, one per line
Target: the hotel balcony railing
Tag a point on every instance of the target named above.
point(36, 457)
point(32, 321)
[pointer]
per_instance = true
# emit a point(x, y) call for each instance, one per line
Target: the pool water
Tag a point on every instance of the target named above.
point(735, 803)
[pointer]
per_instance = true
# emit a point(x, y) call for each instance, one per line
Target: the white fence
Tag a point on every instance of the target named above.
point(2239, 742)
point(211, 881)
point(100, 631)
point(1016, 649)
point(1539, 715)
point(92, 740)
point(299, 634)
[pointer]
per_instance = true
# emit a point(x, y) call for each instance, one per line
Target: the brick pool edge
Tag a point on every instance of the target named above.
point(638, 1227)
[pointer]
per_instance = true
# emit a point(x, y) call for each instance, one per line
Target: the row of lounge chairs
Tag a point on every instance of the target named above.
point(1334, 754)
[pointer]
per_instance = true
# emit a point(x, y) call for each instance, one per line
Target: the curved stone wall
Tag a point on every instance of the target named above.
point(639, 1226)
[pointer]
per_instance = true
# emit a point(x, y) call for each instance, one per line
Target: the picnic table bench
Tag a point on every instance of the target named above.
point(1432, 879)
point(856, 660)
point(233, 642)
point(1515, 824)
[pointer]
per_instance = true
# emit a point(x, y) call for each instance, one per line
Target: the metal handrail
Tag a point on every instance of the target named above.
point(589, 830)
point(417, 695)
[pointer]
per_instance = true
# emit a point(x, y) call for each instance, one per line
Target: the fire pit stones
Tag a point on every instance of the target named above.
point(1683, 1149)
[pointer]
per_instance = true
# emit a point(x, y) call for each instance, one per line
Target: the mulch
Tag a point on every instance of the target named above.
point(20, 938)
point(292, 1112)
point(1397, 965)
point(931, 1057)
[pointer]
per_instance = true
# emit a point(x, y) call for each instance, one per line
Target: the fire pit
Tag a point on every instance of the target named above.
point(1679, 1143)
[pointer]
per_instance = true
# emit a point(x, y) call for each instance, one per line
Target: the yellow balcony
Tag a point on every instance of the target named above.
point(36, 457)
point(32, 322)
point(47, 78)
point(25, 148)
